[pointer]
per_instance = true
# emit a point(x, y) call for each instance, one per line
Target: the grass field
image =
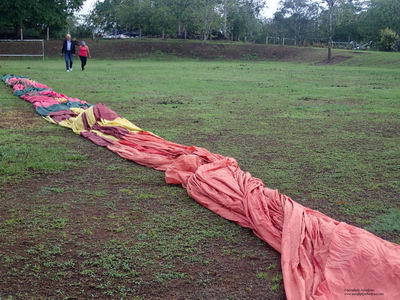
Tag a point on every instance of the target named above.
point(78, 221)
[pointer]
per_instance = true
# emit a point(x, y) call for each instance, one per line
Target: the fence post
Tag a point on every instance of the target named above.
point(283, 41)
point(43, 45)
point(266, 40)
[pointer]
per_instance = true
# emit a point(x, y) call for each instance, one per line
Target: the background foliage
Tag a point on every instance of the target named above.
point(236, 20)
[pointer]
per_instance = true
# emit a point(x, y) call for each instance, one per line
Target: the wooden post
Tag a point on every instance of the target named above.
point(43, 46)
point(48, 33)
point(283, 41)
point(225, 19)
point(331, 3)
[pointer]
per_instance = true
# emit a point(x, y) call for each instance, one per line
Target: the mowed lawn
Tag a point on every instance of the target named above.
point(78, 221)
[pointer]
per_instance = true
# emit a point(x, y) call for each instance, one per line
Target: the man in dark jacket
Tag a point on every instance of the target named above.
point(68, 50)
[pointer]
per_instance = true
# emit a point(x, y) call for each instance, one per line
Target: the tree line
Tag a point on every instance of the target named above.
point(241, 20)
point(33, 18)
point(237, 20)
point(353, 20)
point(194, 19)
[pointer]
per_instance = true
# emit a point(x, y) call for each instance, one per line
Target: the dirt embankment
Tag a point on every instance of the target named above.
point(122, 49)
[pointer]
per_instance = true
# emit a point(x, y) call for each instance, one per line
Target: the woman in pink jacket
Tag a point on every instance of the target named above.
point(84, 53)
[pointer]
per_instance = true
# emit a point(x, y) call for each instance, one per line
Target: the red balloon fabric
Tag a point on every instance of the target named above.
point(321, 258)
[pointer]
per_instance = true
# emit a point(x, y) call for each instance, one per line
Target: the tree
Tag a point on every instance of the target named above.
point(243, 19)
point(348, 14)
point(379, 15)
point(104, 15)
point(331, 5)
point(37, 14)
point(298, 17)
point(135, 14)
point(182, 12)
point(208, 17)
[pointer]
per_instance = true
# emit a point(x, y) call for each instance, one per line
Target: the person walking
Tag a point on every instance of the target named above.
point(68, 50)
point(84, 53)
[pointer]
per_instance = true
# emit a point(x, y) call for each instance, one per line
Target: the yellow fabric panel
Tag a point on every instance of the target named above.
point(90, 116)
point(121, 122)
point(49, 119)
point(61, 99)
point(67, 123)
point(77, 110)
point(77, 124)
point(74, 123)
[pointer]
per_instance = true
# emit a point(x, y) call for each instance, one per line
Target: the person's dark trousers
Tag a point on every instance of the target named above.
point(83, 61)
point(68, 59)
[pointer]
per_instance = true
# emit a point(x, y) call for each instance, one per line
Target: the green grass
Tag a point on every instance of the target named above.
point(78, 221)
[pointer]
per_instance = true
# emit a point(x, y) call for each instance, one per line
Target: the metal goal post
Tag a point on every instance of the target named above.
point(22, 54)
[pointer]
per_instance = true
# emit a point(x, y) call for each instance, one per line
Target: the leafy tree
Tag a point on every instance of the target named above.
point(37, 14)
point(379, 15)
point(298, 18)
point(135, 14)
point(348, 14)
point(208, 17)
point(243, 19)
point(104, 15)
point(183, 13)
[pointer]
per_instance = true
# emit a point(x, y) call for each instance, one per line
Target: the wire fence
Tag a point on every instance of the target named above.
point(17, 48)
point(284, 41)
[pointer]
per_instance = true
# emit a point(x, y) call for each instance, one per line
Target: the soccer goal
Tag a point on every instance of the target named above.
point(22, 48)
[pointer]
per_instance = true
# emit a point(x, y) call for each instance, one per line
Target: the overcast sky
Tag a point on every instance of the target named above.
point(268, 12)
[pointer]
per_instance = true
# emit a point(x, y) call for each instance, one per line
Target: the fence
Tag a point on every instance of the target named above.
point(15, 49)
point(276, 40)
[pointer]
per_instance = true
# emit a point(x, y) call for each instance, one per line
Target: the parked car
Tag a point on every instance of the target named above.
point(121, 35)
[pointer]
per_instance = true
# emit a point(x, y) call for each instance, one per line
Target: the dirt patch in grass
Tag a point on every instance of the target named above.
point(321, 101)
point(383, 128)
point(336, 59)
point(13, 119)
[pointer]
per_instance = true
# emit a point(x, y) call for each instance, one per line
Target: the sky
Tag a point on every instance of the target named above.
point(267, 12)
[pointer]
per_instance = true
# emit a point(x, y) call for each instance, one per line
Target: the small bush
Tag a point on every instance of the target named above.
point(389, 40)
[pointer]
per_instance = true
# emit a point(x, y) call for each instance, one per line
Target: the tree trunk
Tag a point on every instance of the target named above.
point(140, 33)
point(163, 34)
point(225, 24)
point(185, 32)
point(48, 33)
point(179, 30)
point(21, 30)
point(330, 3)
